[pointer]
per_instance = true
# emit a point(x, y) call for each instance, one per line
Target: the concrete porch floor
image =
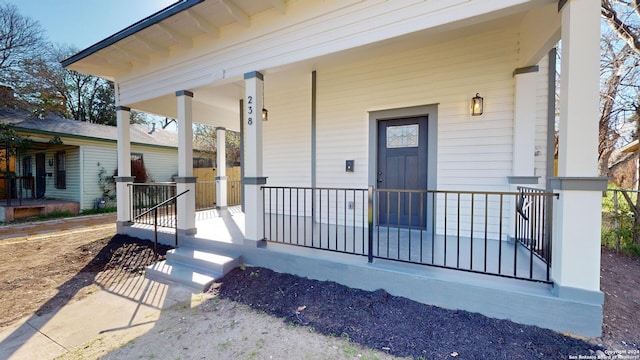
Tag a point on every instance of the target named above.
point(221, 231)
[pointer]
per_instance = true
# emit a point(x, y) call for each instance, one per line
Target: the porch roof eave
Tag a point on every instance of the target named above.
point(153, 19)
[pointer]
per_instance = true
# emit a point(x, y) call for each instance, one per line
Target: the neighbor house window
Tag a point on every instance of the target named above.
point(61, 170)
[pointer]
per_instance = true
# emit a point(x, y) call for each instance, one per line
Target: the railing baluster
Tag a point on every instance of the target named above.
point(446, 203)
point(515, 240)
point(500, 236)
point(378, 205)
point(473, 220)
point(458, 235)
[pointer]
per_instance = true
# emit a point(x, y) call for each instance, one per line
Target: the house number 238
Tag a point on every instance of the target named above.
point(250, 110)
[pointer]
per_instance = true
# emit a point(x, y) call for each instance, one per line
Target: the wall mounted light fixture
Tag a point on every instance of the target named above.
point(265, 114)
point(477, 105)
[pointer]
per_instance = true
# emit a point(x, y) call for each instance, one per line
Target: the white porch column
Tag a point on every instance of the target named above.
point(253, 177)
point(185, 180)
point(577, 213)
point(524, 126)
point(524, 133)
point(221, 161)
point(124, 169)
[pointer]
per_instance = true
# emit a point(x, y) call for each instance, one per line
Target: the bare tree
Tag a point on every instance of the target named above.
point(205, 138)
point(621, 92)
point(20, 38)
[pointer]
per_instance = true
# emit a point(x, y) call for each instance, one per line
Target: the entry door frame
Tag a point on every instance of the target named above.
point(40, 187)
point(429, 111)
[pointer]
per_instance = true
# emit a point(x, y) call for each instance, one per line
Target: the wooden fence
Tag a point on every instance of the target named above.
point(206, 187)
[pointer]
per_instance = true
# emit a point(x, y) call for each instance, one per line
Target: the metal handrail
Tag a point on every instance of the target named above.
point(155, 220)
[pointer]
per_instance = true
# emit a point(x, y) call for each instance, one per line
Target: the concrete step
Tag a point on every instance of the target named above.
point(192, 267)
point(203, 259)
point(198, 279)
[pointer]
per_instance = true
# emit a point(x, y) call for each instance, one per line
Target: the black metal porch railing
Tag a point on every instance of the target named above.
point(321, 218)
point(155, 210)
point(505, 234)
point(534, 208)
point(15, 189)
point(145, 196)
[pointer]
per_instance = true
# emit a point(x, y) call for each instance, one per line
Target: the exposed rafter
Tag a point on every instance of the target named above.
point(203, 24)
point(236, 12)
point(279, 5)
point(176, 36)
point(114, 61)
point(133, 55)
point(158, 49)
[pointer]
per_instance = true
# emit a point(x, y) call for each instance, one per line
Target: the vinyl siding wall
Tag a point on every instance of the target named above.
point(161, 164)
point(474, 153)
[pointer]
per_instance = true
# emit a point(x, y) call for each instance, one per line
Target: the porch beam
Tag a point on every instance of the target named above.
point(176, 36)
point(221, 161)
point(132, 55)
point(124, 178)
point(185, 181)
point(158, 49)
point(279, 5)
point(115, 62)
point(203, 24)
point(577, 217)
point(253, 177)
point(236, 12)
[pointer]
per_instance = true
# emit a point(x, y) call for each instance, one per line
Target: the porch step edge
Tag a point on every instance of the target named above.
point(183, 274)
point(205, 260)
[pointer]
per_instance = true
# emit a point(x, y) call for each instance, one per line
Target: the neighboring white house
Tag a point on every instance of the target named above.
point(373, 148)
point(70, 170)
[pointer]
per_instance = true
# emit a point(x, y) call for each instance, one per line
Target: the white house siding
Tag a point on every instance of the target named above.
point(474, 153)
point(161, 163)
point(72, 190)
point(97, 156)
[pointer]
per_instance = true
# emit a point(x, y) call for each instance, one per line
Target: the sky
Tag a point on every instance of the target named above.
point(82, 23)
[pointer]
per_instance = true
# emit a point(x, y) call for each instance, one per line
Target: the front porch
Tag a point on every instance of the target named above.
point(453, 285)
point(378, 94)
point(14, 209)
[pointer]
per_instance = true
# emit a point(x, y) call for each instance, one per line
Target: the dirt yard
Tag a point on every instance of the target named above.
point(45, 272)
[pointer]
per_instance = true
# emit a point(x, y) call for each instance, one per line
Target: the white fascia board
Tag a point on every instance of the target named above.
point(301, 35)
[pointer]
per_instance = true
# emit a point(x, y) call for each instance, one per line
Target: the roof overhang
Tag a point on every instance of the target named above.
point(151, 20)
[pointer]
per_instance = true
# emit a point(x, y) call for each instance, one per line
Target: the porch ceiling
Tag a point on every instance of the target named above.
point(162, 34)
point(185, 30)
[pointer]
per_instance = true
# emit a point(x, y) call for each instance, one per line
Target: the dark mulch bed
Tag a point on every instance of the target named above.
point(394, 324)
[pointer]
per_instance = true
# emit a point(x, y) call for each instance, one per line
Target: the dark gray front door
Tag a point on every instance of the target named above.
point(402, 165)
point(41, 180)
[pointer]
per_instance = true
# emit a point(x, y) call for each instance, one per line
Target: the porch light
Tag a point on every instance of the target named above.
point(265, 114)
point(476, 105)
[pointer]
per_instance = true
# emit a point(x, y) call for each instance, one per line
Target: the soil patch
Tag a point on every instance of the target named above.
point(39, 276)
point(620, 283)
point(393, 324)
